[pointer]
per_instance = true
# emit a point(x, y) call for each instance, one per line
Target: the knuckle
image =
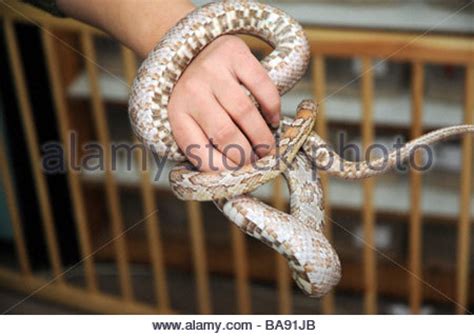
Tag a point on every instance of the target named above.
point(208, 65)
point(244, 108)
point(223, 135)
point(261, 76)
point(234, 42)
point(274, 104)
point(199, 100)
point(242, 56)
point(191, 85)
point(250, 63)
point(271, 101)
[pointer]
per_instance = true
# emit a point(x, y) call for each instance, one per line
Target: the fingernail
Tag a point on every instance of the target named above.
point(275, 122)
point(261, 152)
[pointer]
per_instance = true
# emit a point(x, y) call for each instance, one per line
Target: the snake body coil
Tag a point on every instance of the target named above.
point(299, 235)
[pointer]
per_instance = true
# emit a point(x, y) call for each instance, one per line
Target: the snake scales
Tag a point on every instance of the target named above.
point(299, 235)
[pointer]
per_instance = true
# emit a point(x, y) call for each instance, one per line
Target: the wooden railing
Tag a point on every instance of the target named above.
point(366, 45)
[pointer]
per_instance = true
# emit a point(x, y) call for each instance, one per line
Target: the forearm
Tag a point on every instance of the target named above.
point(138, 24)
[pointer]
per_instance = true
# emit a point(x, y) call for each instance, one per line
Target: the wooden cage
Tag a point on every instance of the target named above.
point(367, 277)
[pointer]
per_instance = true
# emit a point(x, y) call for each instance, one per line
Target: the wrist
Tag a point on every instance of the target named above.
point(150, 21)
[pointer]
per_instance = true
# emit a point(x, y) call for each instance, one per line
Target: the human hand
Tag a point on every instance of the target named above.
point(208, 105)
point(208, 102)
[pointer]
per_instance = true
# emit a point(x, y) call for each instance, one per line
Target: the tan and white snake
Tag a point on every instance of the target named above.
point(299, 235)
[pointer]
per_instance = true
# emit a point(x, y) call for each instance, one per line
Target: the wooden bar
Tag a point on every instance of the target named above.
point(368, 212)
point(74, 183)
point(71, 296)
point(149, 205)
point(417, 88)
point(14, 211)
point(319, 80)
point(464, 233)
point(433, 48)
point(24, 13)
point(112, 193)
point(399, 46)
point(391, 45)
point(244, 303)
point(199, 257)
point(283, 271)
point(33, 149)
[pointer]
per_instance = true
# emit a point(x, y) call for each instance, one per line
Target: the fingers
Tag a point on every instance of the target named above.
point(255, 78)
point(196, 146)
point(243, 112)
point(208, 104)
point(221, 130)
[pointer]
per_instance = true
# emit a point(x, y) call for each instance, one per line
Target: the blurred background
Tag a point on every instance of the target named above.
point(116, 241)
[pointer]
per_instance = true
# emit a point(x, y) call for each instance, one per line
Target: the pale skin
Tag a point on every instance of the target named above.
point(208, 104)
